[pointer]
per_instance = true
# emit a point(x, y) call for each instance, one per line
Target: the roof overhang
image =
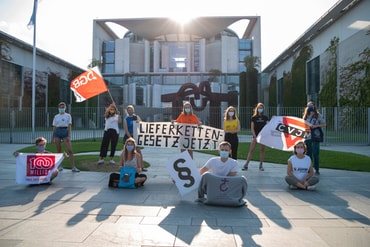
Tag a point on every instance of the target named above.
point(167, 29)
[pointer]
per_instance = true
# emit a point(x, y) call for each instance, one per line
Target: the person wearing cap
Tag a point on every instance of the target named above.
point(111, 133)
point(62, 128)
point(187, 116)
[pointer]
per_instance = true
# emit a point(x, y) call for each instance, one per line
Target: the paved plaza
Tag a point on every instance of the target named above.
point(79, 209)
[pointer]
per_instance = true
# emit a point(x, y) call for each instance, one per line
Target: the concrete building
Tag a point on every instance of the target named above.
point(156, 56)
point(16, 75)
point(348, 22)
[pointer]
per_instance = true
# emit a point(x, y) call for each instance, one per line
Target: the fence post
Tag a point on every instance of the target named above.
point(12, 125)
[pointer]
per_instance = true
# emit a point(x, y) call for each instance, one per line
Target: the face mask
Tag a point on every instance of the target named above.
point(62, 110)
point(129, 148)
point(224, 154)
point(299, 150)
point(311, 108)
point(260, 110)
point(231, 113)
point(40, 148)
point(187, 110)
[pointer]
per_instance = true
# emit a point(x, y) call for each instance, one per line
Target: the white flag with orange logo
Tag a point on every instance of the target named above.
point(36, 168)
point(88, 85)
point(283, 132)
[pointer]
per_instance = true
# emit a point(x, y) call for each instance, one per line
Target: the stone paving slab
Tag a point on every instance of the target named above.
point(80, 210)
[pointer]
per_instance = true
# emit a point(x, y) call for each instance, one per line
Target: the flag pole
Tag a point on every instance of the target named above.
point(30, 24)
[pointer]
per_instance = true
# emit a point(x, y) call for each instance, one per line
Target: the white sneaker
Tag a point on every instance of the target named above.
point(311, 187)
point(101, 161)
point(75, 169)
point(112, 162)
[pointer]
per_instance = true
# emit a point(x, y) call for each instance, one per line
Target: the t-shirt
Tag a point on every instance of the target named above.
point(231, 125)
point(62, 120)
point(259, 122)
point(219, 168)
point(130, 123)
point(314, 121)
point(112, 123)
point(300, 167)
point(187, 119)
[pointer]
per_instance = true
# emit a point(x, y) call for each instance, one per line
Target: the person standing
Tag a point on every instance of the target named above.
point(62, 128)
point(128, 127)
point(299, 169)
point(231, 128)
point(111, 133)
point(313, 116)
point(258, 121)
point(187, 116)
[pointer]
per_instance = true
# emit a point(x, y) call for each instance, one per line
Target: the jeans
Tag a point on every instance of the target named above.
point(313, 150)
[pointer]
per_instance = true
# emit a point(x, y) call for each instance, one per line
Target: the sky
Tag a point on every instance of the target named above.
point(64, 27)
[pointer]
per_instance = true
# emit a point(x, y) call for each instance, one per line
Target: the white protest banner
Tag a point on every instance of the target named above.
point(283, 132)
point(176, 135)
point(184, 172)
point(36, 168)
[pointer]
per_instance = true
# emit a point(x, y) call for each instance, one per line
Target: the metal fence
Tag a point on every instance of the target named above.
point(344, 125)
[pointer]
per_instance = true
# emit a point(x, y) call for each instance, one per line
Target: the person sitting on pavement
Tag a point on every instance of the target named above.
point(300, 173)
point(220, 184)
point(40, 143)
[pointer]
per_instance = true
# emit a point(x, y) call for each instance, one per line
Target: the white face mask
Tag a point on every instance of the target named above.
point(299, 150)
point(231, 113)
point(187, 110)
point(260, 110)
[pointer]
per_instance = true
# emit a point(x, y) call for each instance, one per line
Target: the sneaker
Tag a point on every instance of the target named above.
point(292, 187)
point(75, 169)
point(101, 161)
point(144, 169)
point(245, 167)
point(60, 168)
point(112, 162)
point(201, 200)
point(317, 173)
point(311, 187)
point(262, 169)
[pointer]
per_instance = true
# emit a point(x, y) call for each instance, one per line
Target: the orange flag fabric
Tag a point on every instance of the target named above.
point(88, 84)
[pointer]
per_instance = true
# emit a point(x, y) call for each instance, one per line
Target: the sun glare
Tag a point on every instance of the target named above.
point(182, 19)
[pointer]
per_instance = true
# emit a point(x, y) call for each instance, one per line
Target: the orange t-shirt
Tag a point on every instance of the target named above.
point(187, 119)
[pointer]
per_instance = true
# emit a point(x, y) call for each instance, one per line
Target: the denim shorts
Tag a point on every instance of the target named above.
point(61, 132)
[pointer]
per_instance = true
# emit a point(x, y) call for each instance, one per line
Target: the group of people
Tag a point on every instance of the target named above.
point(300, 171)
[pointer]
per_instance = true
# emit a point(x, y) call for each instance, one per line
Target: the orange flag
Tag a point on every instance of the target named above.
point(88, 85)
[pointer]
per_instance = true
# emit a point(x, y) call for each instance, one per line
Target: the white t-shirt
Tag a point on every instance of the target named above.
point(112, 123)
point(62, 120)
point(300, 167)
point(219, 168)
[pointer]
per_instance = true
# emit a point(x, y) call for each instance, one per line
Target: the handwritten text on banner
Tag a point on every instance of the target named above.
point(176, 135)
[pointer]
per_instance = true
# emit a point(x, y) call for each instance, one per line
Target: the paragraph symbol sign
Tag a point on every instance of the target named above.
point(184, 173)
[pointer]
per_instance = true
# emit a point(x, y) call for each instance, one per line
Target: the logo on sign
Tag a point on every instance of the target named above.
point(40, 165)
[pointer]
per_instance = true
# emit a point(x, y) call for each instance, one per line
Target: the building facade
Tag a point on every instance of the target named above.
point(346, 28)
point(155, 57)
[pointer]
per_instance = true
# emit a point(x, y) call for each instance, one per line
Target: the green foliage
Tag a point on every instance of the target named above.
point(355, 82)
point(242, 89)
point(287, 93)
point(298, 90)
point(252, 87)
point(328, 94)
point(272, 92)
point(94, 62)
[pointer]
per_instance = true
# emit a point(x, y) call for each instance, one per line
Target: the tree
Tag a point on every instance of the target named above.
point(251, 82)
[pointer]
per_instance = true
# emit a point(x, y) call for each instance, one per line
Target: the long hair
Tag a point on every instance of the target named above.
point(130, 139)
point(255, 110)
point(226, 114)
point(306, 112)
